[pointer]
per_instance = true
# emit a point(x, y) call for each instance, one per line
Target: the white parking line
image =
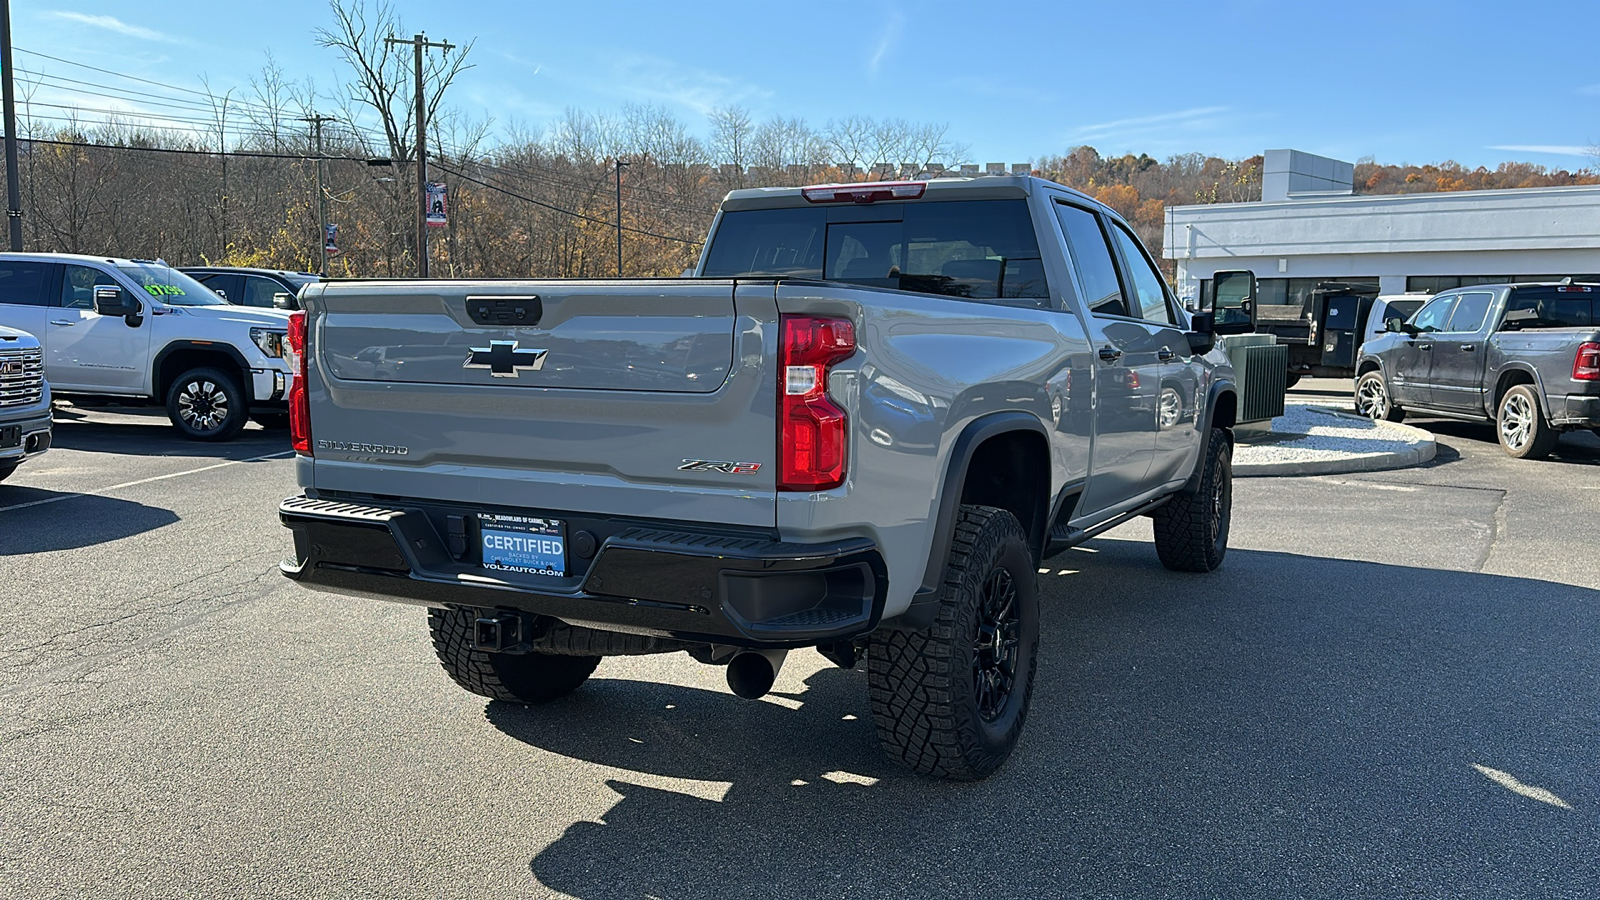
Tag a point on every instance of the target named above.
point(128, 484)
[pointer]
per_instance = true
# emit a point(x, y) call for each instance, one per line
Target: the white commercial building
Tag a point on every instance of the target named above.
point(1310, 227)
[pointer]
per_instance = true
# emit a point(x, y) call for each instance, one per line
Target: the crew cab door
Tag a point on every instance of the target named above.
point(1413, 360)
point(1126, 370)
point(1177, 387)
point(1456, 376)
point(27, 288)
point(91, 352)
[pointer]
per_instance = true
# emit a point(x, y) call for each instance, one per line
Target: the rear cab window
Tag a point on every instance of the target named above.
point(1553, 306)
point(973, 249)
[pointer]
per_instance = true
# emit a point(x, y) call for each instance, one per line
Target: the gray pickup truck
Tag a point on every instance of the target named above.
point(1525, 356)
point(860, 428)
point(24, 400)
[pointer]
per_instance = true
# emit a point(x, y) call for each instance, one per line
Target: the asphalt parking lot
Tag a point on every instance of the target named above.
point(1391, 688)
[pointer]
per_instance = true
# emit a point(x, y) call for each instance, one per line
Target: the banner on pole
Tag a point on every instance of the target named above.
point(436, 204)
point(330, 240)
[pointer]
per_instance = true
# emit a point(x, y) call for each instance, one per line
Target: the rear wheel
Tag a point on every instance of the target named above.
point(1372, 399)
point(207, 405)
point(1521, 425)
point(512, 677)
point(951, 701)
point(1192, 527)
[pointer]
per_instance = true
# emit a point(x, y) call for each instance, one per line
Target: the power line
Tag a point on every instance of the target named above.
point(567, 212)
point(299, 157)
point(170, 87)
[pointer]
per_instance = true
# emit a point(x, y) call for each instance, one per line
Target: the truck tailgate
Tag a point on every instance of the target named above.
point(549, 395)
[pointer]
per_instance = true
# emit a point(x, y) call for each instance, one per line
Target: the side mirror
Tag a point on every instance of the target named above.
point(220, 292)
point(1202, 333)
point(283, 300)
point(109, 301)
point(1394, 325)
point(1234, 299)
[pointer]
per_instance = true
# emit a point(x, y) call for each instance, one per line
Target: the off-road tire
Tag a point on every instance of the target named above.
point(1536, 438)
point(924, 685)
point(1192, 527)
point(271, 421)
point(7, 468)
point(1378, 403)
point(512, 677)
point(207, 385)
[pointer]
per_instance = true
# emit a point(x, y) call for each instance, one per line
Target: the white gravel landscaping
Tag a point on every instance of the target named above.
point(1311, 438)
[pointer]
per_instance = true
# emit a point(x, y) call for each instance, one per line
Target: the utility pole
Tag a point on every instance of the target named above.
point(620, 166)
point(420, 42)
point(13, 186)
point(316, 121)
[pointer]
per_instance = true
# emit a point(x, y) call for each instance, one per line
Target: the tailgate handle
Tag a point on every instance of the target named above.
point(508, 312)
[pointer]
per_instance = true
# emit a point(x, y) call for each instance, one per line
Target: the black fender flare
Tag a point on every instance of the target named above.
point(924, 604)
point(228, 350)
point(1213, 394)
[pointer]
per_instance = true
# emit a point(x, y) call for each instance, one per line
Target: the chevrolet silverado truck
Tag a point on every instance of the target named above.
point(1524, 356)
point(24, 401)
point(139, 332)
point(860, 427)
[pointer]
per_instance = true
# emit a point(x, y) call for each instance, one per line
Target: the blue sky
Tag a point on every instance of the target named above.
point(1477, 82)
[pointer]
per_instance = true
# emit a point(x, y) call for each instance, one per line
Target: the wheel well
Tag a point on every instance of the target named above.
point(1011, 471)
point(1226, 413)
point(177, 362)
point(1509, 379)
point(1370, 365)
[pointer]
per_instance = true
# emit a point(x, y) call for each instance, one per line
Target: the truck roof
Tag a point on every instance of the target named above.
point(982, 187)
point(78, 257)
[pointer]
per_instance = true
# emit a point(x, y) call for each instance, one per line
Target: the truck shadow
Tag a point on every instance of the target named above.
point(1576, 447)
point(139, 432)
point(83, 521)
point(1291, 726)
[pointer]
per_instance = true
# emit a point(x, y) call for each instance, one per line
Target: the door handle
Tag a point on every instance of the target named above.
point(62, 322)
point(1110, 354)
point(1424, 346)
point(1165, 354)
point(1469, 347)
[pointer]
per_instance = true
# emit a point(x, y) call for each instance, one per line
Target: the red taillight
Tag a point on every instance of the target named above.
point(1586, 365)
point(867, 192)
point(812, 430)
point(299, 403)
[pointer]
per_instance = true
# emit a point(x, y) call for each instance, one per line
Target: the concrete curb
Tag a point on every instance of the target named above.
point(1422, 451)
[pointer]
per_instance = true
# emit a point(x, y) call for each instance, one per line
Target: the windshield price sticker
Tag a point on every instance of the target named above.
point(523, 544)
point(166, 290)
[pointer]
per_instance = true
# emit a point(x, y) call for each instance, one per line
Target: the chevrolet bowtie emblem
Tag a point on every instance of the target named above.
point(503, 359)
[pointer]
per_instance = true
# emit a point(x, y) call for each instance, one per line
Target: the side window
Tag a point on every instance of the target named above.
point(1091, 258)
point(1147, 283)
point(226, 286)
point(1434, 316)
point(78, 284)
point(258, 291)
point(25, 283)
point(1471, 309)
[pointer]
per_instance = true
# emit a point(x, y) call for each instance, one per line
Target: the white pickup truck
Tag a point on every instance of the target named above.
point(140, 331)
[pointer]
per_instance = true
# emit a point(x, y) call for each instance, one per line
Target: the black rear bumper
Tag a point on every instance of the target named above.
point(729, 588)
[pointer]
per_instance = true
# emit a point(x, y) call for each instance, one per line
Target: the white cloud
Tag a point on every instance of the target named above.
point(1189, 118)
point(666, 81)
point(1557, 149)
point(111, 23)
point(886, 43)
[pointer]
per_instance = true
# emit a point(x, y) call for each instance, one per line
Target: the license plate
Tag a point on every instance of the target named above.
point(522, 544)
point(10, 436)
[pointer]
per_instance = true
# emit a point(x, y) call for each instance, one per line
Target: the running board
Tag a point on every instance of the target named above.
point(1064, 537)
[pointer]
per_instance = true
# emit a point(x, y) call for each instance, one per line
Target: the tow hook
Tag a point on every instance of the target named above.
point(752, 672)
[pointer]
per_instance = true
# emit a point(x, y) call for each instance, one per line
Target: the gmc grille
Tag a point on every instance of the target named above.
point(21, 385)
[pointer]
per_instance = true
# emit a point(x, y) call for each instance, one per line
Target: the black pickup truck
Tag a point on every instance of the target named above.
point(1525, 356)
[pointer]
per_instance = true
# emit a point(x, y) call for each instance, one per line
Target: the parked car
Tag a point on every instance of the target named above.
point(1525, 356)
point(137, 331)
point(24, 400)
point(847, 433)
point(253, 287)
